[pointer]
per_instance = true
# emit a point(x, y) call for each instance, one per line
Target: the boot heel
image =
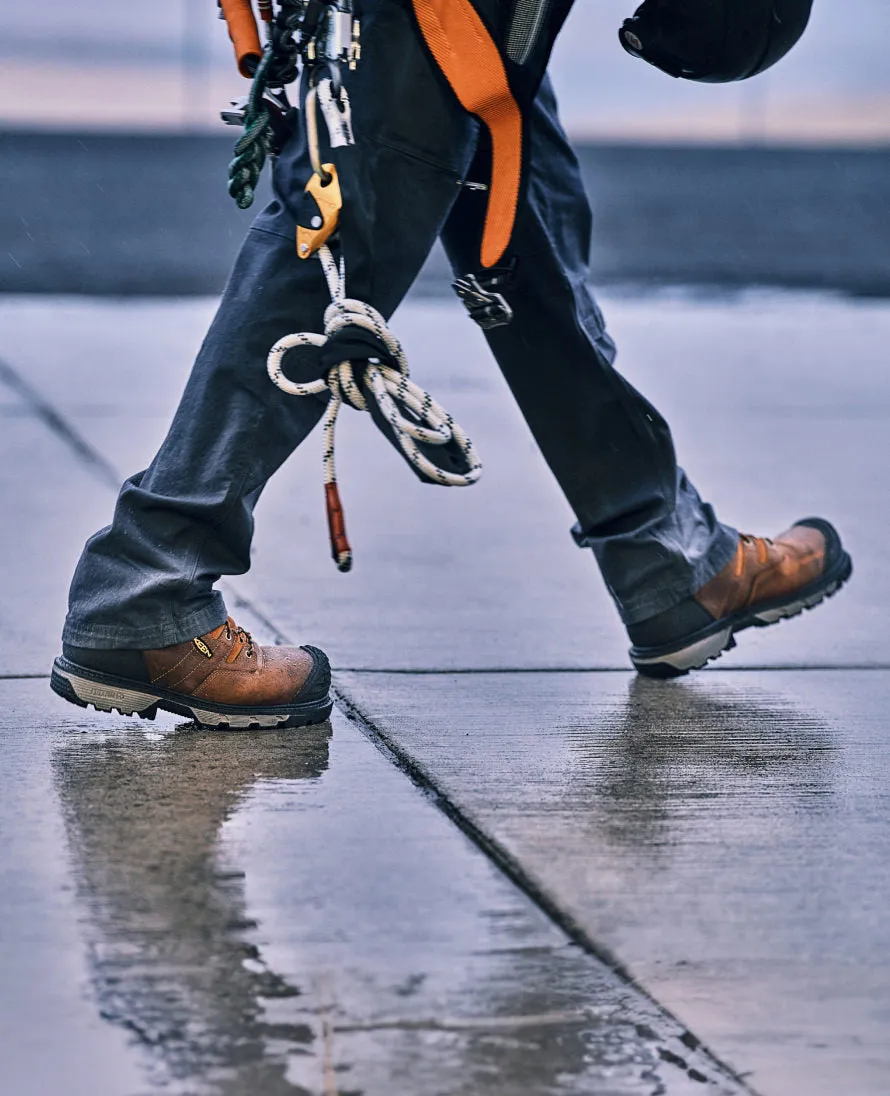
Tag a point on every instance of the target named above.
point(666, 664)
point(104, 698)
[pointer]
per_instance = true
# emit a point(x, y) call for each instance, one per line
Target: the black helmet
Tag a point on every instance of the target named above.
point(714, 41)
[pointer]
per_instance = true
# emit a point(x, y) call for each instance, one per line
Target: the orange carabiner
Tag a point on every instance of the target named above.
point(323, 223)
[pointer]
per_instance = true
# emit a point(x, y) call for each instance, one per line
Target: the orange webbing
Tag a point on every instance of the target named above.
point(465, 53)
point(244, 34)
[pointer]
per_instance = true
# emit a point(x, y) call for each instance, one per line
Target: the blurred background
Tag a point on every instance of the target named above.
point(113, 155)
point(167, 66)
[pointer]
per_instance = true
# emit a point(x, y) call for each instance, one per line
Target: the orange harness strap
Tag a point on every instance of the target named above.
point(466, 54)
point(243, 32)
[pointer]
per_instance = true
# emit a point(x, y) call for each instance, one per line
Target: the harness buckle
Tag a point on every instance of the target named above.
point(488, 308)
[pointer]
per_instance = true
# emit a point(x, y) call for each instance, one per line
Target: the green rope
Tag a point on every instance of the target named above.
point(278, 66)
point(252, 147)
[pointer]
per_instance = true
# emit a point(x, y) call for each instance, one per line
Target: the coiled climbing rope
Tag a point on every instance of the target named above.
point(389, 384)
point(328, 36)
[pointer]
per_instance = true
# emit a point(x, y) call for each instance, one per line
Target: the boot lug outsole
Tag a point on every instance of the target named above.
point(87, 693)
point(697, 655)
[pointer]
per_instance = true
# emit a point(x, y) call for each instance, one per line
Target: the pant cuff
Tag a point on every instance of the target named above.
point(652, 600)
point(149, 637)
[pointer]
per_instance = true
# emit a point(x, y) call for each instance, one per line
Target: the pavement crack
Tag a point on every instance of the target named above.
point(105, 472)
point(460, 671)
point(675, 1033)
point(59, 426)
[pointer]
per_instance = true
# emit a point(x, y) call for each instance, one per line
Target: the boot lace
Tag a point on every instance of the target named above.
point(246, 639)
point(762, 545)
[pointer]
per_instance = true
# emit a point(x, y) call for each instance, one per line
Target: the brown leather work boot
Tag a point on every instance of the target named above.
point(766, 581)
point(221, 679)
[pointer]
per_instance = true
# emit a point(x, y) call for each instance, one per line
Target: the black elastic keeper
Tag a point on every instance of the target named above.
point(356, 345)
point(352, 344)
point(450, 457)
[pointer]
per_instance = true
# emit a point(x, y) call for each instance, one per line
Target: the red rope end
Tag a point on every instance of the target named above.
point(340, 549)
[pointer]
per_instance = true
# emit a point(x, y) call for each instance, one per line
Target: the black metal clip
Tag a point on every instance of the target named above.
point(487, 308)
point(282, 116)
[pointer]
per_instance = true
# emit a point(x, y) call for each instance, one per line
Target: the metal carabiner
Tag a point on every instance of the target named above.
point(311, 114)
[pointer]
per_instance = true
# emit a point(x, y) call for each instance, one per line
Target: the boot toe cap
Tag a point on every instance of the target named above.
point(834, 549)
point(317, 684)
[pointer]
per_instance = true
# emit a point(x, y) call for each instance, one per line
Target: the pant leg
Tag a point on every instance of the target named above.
point(610, 450)
point(147, 580)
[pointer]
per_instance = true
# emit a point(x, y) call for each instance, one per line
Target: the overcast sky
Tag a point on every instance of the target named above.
point(105, 62)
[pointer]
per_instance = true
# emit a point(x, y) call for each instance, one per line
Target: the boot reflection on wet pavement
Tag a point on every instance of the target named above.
point(387, 956)
point(165, 918)
point(676, 741)
point(672, 745)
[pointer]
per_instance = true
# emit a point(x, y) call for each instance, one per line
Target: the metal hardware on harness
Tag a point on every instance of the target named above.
point(330, 33)
point(487, 308)
point(318, 35)
point(322, 224)
point(312, 133)
point(281, 116)
point(342, 44)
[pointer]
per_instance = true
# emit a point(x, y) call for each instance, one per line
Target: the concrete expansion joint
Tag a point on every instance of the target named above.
point(481, 671)
point(675, 1045)
point(59, 427)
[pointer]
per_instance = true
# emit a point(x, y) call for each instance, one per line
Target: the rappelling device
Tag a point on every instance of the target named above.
point(364, 363)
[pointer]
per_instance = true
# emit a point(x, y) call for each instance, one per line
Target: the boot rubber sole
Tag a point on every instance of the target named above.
point(107, 693)
point(694, 651)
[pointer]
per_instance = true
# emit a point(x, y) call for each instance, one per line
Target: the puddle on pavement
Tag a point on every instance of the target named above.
point(166, 925)
point(284, 913)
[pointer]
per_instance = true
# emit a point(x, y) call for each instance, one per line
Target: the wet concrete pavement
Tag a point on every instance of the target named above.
point(283, 913)
point(722, 840)
point(724, 837)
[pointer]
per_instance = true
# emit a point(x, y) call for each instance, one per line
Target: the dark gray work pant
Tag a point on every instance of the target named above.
point(147, 580)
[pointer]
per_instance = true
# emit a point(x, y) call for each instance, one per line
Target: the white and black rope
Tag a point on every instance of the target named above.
point(388, 383)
